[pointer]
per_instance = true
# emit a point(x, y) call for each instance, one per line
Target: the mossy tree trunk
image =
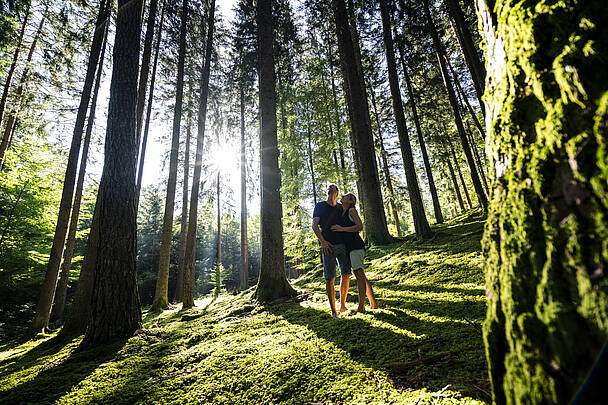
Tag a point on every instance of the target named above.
point(161, 294)
point(183, 231)
point(189, 255)
point(115, 307)
point(272, 283)
point(546, 239)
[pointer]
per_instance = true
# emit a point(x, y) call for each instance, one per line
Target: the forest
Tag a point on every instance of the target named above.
point(181, 182)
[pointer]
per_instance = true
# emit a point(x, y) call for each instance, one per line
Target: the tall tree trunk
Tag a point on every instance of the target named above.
point(375, 221)
point(218, 251)
point(545, 239)
point(144, 140)
point(469, 50)
point(80, 310)
point(421, 224)
point(455, 184)
point(145, 66)
point(466, 101)
point(385, 166)
point(425, 155)
point(11, 122)
point(62, 288)
point(244, 273)
point(311, 163)
point(477, 158)
point(439, 49)
point(272, 283)
point(43, 310)
point(13, 66)
point(161, 294)
point(188, 292)
point(183, 232)
point(116, 311)
point(464, 185)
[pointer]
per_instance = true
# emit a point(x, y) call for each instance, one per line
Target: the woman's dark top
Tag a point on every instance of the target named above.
point(352, 240)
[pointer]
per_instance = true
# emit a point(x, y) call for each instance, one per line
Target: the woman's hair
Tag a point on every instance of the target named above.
point(352, 198)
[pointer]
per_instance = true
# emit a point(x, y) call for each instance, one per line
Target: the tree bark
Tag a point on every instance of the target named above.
point(469, 50)
point(161, 295)
point(385, 167)
point(43, 310)
point(310, 162)
point(188, 292)
point(464, 185)
point(425, 155)
point(466, 101)
point(455, 184)
point(439, 49)
point(116, 311)
point(11, 122)
point(218, 251)
point(545, 239)
point(244, 273)
point(272, 283)
point(375, 220)
point(183, 232)
point(421, 224)
point(62, 288)
point(145, 67)
point(12, 67)
point(144, 141)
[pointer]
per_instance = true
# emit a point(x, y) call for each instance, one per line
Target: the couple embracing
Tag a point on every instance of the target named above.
point(337, 227)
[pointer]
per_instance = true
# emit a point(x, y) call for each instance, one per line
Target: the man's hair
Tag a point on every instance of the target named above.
point(330, 186)
point(352, 197)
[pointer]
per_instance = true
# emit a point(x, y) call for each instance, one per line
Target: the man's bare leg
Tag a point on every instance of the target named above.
point(330, 289)
point(361, 287)
point(344, 284)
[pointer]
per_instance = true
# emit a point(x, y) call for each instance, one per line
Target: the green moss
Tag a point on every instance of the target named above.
point(229, 349)
point(545, 241)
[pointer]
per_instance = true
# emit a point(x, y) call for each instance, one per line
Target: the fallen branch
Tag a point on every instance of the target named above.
point(474, 325)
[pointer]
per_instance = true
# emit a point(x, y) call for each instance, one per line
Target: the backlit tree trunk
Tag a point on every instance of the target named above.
point(145, 66)
point(455, 184)
point(188, 291)
point(144, 139)
point(272, 283)
point(244, 273)
point(43, 310)
point(11, 121)
point(11, 70)
point(421, 142)
point(115, 305)
point(183, 232)
point(361, 132)
point(469, 50)
point(421, 224)
point(441, 60)
point(545, 240)
point(161, 294)
point(66, 265)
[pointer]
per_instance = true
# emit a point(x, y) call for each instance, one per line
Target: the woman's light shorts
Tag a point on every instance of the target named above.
point(356, 259)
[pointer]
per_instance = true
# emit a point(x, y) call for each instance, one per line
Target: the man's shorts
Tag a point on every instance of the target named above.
point(338, 252)
point(356, 258)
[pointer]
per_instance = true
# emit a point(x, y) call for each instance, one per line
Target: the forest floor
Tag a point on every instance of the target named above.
point(231, 350)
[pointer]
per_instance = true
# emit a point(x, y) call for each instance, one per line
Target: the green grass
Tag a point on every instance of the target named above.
point(235, 351)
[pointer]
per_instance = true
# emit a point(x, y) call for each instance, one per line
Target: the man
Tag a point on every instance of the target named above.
point(326, 214)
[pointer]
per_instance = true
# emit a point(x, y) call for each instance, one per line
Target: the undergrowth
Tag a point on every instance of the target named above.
point(423, 346)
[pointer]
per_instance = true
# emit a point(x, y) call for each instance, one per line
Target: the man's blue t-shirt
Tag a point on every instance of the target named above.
point(329, 216)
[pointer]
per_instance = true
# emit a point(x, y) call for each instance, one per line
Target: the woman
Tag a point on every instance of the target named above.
point(351, 224)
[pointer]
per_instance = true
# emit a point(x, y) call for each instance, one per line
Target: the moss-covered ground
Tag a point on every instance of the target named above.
point(231, 350)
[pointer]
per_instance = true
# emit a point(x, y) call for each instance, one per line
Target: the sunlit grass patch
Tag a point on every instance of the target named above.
point(423, 346)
